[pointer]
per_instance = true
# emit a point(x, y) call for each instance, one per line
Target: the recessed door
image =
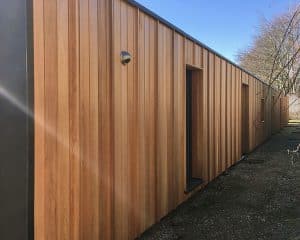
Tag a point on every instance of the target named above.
point(245, 118)
point(193, 128)
point(273, 116)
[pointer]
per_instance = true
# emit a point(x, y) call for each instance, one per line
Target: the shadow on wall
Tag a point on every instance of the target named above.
point(294, 109)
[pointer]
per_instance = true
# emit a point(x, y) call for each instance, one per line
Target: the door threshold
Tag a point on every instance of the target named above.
point(195, 182)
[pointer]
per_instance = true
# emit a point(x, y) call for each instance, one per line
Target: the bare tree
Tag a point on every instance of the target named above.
point(274, 55)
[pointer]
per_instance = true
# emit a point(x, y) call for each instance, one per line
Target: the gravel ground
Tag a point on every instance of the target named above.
point(259, 198)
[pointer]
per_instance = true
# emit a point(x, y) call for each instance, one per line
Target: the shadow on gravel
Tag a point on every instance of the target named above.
point(259, 198)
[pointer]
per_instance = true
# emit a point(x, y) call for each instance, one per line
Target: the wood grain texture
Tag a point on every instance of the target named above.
point(205, 118)
point(110, 139)
point(39, 128)
point(223, 117)
point(74, 147)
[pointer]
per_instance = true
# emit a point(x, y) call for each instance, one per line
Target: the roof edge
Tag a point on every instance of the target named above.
point(188, 36)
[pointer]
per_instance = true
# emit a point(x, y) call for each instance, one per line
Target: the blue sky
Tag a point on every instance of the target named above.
point(224, 25)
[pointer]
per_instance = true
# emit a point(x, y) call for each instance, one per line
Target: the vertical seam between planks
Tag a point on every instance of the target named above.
point(112, 128)
point(79, 110)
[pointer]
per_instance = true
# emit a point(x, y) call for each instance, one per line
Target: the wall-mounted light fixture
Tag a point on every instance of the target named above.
point(125, 57)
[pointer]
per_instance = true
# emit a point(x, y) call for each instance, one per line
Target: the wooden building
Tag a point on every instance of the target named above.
point(118, 146)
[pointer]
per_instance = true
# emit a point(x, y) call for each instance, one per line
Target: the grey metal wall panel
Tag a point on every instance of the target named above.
point(16, 185)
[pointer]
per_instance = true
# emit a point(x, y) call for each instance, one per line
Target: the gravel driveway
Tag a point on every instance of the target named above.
point(259, 198)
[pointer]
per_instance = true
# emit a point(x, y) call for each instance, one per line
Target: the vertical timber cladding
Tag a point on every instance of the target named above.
point(110, 138)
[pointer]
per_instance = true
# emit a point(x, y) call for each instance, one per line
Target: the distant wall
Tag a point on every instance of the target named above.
point(294, 109)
